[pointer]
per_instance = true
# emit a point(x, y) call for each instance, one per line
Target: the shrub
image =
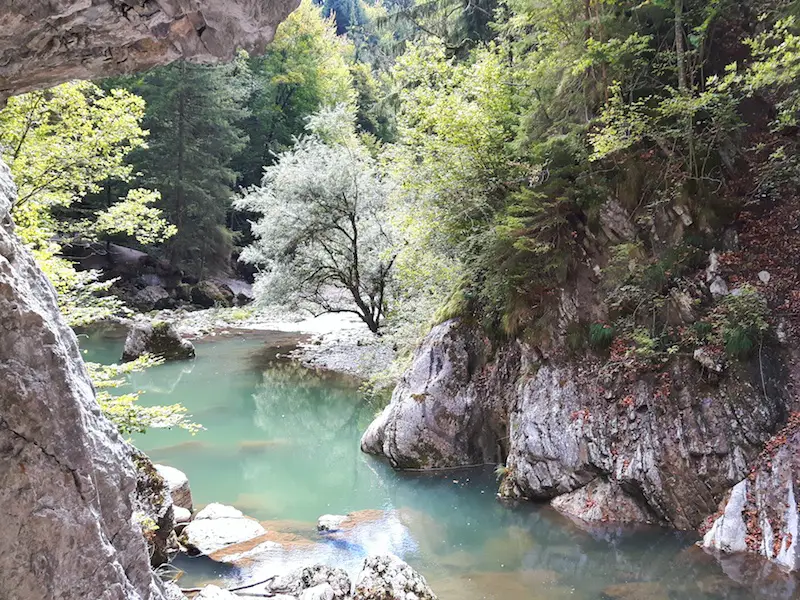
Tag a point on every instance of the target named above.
point(601, 335)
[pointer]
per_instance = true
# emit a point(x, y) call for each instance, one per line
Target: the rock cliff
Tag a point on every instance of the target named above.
point(66, 477)
point(643, 454)
point(45, 42)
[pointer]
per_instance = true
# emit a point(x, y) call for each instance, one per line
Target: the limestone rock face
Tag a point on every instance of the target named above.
point(160, 339)
point(297, 582)
point(390, 578)
point(669, 445)
point(438, 416)
point(66, 477)
point(154, 510)
point(45, 42)
point(218, 526)
point(601, 501)
point(760, 514)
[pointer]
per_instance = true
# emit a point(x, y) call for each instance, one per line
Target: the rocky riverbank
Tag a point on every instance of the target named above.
point(226, 536)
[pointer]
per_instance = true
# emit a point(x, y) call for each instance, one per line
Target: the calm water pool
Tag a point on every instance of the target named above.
point(282, 444)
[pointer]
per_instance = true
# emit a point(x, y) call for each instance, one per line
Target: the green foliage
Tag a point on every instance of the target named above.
point(61, 145)
point(123, 409)
point(741, 321)
point(601, 335)
point(193, 115)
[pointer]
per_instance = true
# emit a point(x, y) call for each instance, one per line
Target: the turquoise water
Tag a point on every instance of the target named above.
point(281, 444)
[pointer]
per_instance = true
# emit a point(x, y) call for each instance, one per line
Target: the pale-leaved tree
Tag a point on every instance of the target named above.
point(322, 241)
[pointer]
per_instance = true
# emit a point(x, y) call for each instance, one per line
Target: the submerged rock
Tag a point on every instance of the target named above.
point(218, 526)
point(159, 338)
point(760, 514)
point(178, 484)
point(390, 578)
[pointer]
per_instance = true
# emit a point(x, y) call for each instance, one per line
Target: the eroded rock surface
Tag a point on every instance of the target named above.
point(671, 444)
point(218, 526)
point(45, 42)
point(442, 413)
point(66, 477)
point(760, 514)
point(390, 578)
point(298, 582)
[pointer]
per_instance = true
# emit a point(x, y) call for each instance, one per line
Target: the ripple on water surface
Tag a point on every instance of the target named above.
point(282, 444)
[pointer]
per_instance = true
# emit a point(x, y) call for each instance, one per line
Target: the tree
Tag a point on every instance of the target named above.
point(303, 69)
point(193, 116)
point(322, 240)
point(61, 145)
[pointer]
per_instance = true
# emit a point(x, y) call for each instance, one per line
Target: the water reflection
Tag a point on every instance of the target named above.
point(281, 444)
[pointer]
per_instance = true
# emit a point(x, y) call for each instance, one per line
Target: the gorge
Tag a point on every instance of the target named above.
point(602, 291)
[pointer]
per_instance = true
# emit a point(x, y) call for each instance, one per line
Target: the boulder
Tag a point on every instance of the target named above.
point(390, 578)
point(158, 338)
point(601, 501)
point(323, 591)
point(154, 510)
point(760, 514)
point(208, 294)
point(213, 592)
point(151, 298)
point(301, 580)
point(218, 526)
point(182, 515)
point(330, 522)
point(178, 484)
point(435, 417)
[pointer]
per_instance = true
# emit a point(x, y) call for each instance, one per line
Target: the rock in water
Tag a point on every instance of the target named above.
point(67, 480)
point(435, 418)
point(297, 582)
point(159, 339)
point(390, 578)
point(328, 523)
point(323, 591)
point(218, 526)
point(178, 484)
point(760, 514)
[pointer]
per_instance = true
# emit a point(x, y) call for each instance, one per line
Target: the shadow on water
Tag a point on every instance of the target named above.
point(282, 445)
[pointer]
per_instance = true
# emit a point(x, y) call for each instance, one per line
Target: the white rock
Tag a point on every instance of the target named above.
point(764, 276)
point(388, 577)
point(729, 530)
point(318, 592)
point(711, 363)
point(330, 522)
point(178, 484)
point(218, 526)
point(182, 515)
point(212, 592)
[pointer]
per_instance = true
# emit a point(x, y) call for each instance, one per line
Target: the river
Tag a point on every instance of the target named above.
point(281, 443)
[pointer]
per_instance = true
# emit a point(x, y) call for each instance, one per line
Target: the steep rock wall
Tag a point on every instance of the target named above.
point(45, 42)
point(66, 477)
point(629, 455)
